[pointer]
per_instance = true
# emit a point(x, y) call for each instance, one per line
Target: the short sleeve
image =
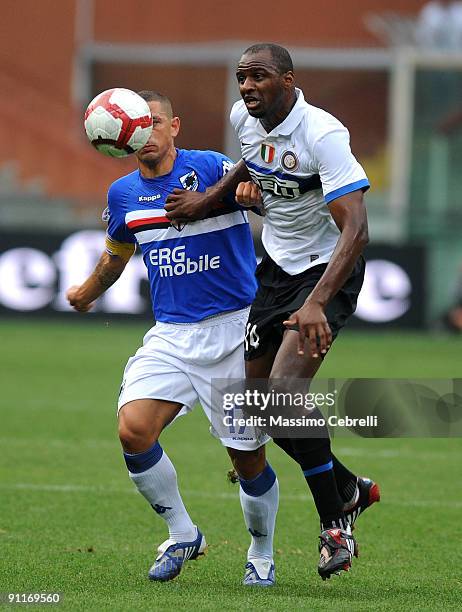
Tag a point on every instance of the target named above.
point(223, 165)
point(117, 229)
point(238, 115)
point(339, 171)
point(219, 165)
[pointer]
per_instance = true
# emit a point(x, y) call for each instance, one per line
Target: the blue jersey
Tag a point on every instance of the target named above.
point(195, 270)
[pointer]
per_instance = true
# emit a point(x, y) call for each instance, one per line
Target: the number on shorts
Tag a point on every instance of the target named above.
point(251, 337)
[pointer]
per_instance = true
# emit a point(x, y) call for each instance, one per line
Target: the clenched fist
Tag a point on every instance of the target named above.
point(76, 301)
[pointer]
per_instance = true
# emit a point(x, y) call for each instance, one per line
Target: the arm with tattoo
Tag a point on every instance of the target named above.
point(107, 271)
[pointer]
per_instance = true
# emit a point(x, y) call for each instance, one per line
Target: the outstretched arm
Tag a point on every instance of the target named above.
point(349, 213)
point(184, 205)
point(107, 271)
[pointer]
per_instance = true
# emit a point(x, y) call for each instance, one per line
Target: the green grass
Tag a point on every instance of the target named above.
point(70, 520)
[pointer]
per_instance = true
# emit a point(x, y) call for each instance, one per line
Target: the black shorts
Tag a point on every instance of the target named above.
point(279, 295)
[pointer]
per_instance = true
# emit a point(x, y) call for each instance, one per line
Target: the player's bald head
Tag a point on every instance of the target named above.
point(154, 96)
point(280, 56)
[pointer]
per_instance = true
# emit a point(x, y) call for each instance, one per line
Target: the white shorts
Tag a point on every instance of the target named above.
point(178, 361)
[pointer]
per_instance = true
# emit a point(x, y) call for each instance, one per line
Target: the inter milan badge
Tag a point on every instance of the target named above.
point(289, 160)
point(267, 152)
point(190, 181)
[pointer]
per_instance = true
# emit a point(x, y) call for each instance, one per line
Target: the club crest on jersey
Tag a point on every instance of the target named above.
point(267, 152)
point(289, 160)
point(190, 181)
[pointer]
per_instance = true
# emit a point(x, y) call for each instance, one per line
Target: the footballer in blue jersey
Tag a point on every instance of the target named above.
point(195, 270)
point(202, 283)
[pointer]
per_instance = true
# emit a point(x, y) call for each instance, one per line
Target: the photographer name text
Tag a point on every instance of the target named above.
point(281, 421)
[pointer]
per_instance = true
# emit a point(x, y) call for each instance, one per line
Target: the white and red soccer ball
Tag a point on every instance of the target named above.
point(118, 122)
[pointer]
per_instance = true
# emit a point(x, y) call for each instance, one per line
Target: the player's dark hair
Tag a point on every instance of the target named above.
point(155, 96)
point(280, 55)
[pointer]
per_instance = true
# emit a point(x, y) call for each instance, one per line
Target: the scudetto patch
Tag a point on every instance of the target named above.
point(267, 152)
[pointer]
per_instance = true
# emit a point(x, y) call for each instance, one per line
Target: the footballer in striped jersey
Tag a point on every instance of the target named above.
point(298, 166)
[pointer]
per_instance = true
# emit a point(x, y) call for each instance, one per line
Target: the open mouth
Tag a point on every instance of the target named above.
point(251, 102)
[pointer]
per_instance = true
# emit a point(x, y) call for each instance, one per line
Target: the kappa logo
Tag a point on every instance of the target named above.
point(105, 215)
point(151, 198)
point(160, 509)
point(190, 181)
point(227, 166)
point(256, 534)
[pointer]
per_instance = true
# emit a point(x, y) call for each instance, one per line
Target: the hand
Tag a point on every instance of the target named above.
point(248, 194)
point(75, 301)
point(312, 323)
point(185, 205)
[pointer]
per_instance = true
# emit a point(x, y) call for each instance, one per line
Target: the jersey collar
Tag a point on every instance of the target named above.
point(293, 118)
point(290, 122)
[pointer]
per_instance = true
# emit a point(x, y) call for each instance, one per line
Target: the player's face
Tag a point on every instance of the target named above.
point(161, 141)
point(264, 90)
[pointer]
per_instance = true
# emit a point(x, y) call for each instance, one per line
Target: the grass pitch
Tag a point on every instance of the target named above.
point(71, 522)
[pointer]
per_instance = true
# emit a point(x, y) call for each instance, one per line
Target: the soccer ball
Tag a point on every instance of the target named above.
point(118, 122)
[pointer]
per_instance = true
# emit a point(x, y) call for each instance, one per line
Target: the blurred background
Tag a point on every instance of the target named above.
point(391, 70)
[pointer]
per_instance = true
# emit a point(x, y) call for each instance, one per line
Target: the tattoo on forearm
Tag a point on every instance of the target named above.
point(105, 277)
